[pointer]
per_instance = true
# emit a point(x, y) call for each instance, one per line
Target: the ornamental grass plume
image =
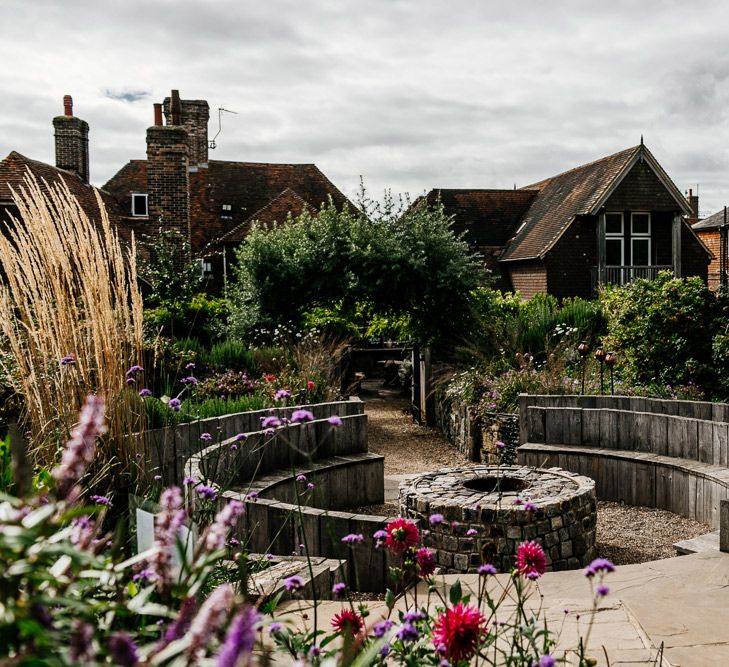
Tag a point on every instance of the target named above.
point(459, 630)
point(70, 319)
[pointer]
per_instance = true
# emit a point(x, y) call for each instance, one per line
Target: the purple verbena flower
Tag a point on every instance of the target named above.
point(144, 393)
point(408, 633)
point(380, 629)
point(270, 422)
point(471, 532)
point(602, 590)
point(339, 588)
point(252, 495)
point(188, 480)
point(175, 404)
point(294, 583)
point(68, 360)
point(353, 539)
point(302, 416)
point(486, 568)
point(414, 616)
point(301, 478)
point(207, 492)
point(206, 437)
point(157, 478)
point(100, 500)
point(335, 420)
point(435, 519)
point(135, 369)
point(240, 437)
point(529, 506)
point(310, 487)
point(599, 565)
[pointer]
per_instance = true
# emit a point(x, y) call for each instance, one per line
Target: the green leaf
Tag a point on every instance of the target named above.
point(390, 598)
point(455, 593)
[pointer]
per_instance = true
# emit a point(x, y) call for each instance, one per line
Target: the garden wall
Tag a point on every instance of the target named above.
point(653, 452)
point(476, 437)
point(168, 449)
point(282, 514)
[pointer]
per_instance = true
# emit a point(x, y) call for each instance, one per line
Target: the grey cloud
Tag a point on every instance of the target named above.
point(127, 95)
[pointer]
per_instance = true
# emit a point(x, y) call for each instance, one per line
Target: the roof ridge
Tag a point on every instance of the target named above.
point(544, 181)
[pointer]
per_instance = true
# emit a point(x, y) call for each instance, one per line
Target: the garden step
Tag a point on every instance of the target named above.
point(701, 543)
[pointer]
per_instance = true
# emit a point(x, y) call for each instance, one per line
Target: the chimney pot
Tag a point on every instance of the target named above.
point(67, 105)
point(158, 114)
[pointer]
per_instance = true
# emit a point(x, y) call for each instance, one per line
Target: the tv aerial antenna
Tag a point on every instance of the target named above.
point(211, 143)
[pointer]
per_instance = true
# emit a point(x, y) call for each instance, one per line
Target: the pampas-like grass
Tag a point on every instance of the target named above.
point(69, 290)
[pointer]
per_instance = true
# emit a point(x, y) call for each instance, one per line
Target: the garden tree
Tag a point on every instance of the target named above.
point(175, 303)
point(668, 331)
point(394, 261)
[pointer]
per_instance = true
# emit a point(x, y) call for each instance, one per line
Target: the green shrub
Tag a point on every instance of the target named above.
point(664, 330)
point(231, 355)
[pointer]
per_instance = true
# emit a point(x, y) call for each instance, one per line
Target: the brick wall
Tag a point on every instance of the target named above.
point(168, 180)
point(72, 145)
point(528, 278)
point(195, 115)
point(711, 239)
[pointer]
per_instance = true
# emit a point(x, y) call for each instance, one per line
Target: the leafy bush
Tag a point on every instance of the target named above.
point(666, 331)
point(230, 354)
point(400, 263)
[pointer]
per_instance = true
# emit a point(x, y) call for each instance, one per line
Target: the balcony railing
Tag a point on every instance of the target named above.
point(620, 275)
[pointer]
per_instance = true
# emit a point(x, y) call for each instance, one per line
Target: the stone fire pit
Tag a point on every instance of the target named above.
point(492, 500)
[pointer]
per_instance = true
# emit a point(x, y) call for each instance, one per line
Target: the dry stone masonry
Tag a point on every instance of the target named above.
point(489, 510)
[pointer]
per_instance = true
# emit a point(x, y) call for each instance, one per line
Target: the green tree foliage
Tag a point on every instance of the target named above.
point(664, 331)
point(395, 261)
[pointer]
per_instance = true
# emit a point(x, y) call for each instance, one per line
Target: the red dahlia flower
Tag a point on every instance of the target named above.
point(401, 535)
point(460, 630)
point(425, 559)
point(347, 622)
point(530, 560)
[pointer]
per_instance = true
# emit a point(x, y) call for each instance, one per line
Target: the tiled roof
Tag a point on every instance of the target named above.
point(249, 188)
point(15, 167)
point(562, 197)
point(714, 221)
point(488, 217)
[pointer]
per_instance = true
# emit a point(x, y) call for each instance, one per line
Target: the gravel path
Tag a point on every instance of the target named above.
point(625, 534)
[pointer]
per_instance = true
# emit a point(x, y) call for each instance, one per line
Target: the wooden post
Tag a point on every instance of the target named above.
point(676, 245)
point(427, 400)
point(601, 249)
point(415, 406)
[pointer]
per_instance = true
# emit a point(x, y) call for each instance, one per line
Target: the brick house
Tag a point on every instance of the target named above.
point(711, 230)
point(71, 169)
point(609, 221)
point(211, 203)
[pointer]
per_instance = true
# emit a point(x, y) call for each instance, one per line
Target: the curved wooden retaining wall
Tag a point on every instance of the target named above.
point(672, 455)
point(168, 449)
point(283, 515)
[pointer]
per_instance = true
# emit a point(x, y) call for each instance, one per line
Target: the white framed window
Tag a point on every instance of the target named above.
point(614, 239)
point(206, 268)
point(140, 205)
point(640, 238)
point(226, 211)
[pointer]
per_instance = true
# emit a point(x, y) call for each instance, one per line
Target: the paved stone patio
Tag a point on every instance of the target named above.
point(679, 603)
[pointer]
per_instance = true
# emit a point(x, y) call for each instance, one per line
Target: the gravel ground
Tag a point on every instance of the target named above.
point(625, 534)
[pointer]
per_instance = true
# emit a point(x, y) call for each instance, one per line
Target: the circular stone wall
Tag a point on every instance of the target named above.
point(504, 505)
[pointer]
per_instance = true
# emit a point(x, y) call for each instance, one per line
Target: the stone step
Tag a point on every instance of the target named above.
point(706, 542)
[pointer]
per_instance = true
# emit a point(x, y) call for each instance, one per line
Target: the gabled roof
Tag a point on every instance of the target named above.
point(15, 167)
point(248, 187)
point(714, 221)
point(488, 217)
point(580, 191)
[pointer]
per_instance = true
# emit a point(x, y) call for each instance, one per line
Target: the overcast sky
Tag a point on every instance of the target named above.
point(409, 95)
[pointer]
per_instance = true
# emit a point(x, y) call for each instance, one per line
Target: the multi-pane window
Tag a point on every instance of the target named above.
point(614, 239)
point(640, 239)
point(139, 205)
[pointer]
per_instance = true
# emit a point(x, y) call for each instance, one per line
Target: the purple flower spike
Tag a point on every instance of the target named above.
point(100, 500)
point(123, 650)
point(144, 393)
point(302, 416)
point(241, 637)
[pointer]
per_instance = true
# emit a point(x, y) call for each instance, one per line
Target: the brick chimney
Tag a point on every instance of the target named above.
point(72, 141)
point(693, 202)
point(193, 115)
point(168, 186)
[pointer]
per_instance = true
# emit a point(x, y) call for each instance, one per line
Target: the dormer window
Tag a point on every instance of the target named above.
point(226, 211)
point(139, 205)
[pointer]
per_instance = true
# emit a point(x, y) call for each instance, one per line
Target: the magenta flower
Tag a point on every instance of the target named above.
point(425, 559)
point(335, 420)
point(302, 416)
point(531, 560)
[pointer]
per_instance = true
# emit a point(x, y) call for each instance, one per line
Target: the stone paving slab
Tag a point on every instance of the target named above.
point(679, 603)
